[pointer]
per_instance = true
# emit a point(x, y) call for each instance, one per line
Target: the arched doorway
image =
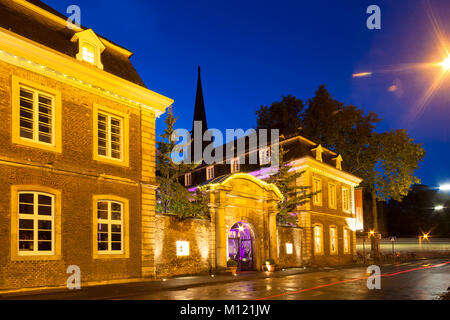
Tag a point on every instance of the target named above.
point(240, 246)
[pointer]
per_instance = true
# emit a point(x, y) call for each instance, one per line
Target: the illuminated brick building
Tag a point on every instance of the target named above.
point(77, 173)
point(77, 155)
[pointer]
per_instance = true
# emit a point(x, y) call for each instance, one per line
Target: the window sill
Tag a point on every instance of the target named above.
point(112, 161)
point(37, 145)
point(111, 256)
point(35, 257)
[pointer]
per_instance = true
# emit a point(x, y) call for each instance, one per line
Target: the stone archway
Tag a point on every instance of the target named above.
point(241, 197)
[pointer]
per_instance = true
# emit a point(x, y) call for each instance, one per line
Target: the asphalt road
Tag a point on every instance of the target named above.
point(422, 280)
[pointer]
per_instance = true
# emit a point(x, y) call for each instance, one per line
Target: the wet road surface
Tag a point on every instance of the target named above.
point(421, 280)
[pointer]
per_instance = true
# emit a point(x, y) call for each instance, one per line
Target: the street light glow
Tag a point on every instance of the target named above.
point(439, 207)
point(445, 187)
point(446, 64)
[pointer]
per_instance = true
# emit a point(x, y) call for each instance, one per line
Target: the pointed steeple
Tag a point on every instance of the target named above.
point(199, 109)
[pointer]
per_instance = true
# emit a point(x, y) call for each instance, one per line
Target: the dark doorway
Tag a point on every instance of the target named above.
point(240, 246)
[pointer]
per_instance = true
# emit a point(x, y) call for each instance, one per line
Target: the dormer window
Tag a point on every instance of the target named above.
point(90, 47)
point(188, 179)
point(338, 160)
point(235, 165)
point(318, 152)
point(209, 172)
point(264, 156)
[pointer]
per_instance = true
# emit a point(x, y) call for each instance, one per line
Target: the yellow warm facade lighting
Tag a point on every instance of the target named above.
point(262, 184)
point(32, 56)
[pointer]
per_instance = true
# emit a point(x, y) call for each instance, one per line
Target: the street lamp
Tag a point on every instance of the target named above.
point(445, 187)
point(439, 207)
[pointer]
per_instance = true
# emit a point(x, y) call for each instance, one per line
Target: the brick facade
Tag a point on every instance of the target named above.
point(78, 177)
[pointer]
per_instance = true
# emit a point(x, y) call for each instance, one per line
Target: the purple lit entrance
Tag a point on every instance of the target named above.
point(240, 246)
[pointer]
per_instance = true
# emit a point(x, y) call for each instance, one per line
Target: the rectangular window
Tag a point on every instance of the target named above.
point(109, 226)
point(289, 248)
point(317, 189)
point(332, 195)
point(188, 179)
point(36, 115)
point(333, 240)
point(88, 53)
point(109, 136)
point(345, 200)
point(346, 240)
point(235, 165)
point(264, 156)
point(209, 172)
point(318, 239)
point(182, 248)
point(36, 222)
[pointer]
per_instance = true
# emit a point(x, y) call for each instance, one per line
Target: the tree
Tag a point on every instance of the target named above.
point(385, 161)
point(173, 197)
point(283, 115)
point(294, 195)
point(397, 159)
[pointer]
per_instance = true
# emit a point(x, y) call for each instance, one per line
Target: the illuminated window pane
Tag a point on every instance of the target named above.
point(36, 115)
point(109, 133)
point(109, 226)
point(333, 240)
point(317, 239)
point(88, 52)
point(35, 222)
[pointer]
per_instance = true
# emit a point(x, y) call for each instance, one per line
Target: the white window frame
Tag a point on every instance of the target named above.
point(35, 131)
point(235, 165)
point(345, 199)
point(109, 222)
point(332, 198)
point(188, 179)
point(35, 217)
point(109, 118)
point(317, 198)
point(182, 248)
point(318, 239)
point(209, 172)
point(346, 240)
point(264, 156)
point(333, 239)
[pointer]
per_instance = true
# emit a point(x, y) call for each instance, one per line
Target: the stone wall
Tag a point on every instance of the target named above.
point(169, 230)
point(291, 236)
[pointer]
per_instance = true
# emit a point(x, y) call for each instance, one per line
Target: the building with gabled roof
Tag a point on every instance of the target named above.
point(77, 156)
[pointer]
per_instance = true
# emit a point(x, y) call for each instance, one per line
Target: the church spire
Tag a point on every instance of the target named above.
point(199, 110)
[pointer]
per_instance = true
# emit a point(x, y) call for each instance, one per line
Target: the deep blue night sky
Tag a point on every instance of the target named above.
point(253, 52)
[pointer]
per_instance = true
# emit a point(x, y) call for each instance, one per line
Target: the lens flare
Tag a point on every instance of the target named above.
point(446, 64)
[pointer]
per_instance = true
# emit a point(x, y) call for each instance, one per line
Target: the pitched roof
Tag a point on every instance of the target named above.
point(31, 25)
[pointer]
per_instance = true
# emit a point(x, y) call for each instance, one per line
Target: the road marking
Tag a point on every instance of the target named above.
point(352, 280)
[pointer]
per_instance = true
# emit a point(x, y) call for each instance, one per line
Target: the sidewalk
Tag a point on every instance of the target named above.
point(112, 291)
point(122, 290)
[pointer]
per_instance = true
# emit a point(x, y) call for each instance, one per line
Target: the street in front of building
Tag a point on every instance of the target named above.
point(416, 280)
